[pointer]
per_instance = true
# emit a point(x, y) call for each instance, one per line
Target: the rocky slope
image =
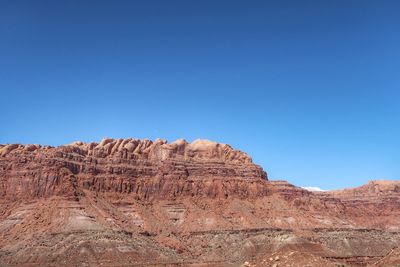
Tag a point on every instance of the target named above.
point(129, 202)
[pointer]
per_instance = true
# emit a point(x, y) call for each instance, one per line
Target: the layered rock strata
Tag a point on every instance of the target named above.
point(129, 202)
point(141, 167)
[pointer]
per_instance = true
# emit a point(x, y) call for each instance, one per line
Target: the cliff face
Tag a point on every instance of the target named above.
point(125, 202)
point(141, 167)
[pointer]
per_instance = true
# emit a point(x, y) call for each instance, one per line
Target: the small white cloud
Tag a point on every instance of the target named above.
point(313, 188)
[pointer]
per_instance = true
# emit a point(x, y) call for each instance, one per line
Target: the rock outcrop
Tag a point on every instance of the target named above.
point(375, 188)
point(141, 167)
point(128, 202)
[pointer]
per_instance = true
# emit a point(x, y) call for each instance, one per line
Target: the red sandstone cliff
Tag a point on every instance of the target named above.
point(144, 168)
point(132, 202)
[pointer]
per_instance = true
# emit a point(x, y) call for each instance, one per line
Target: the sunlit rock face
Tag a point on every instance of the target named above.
point(124, 202)
point(141, 167)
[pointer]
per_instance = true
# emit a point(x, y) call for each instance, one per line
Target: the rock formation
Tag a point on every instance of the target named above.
point(129, 202)
point(143, 168)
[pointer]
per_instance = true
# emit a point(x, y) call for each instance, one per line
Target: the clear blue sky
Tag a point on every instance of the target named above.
point(310, 89)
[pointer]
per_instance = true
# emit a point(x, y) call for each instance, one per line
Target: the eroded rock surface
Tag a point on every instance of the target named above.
point(129, 202)
point(141, 167)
